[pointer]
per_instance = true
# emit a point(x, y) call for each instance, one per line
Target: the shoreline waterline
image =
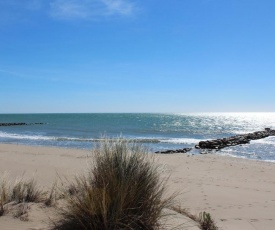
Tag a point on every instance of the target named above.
point(213, 153)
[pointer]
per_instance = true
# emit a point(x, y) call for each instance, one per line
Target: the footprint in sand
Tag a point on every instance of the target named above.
point(254, 220)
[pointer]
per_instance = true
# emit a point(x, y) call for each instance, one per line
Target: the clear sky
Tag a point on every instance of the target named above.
point(137, 56)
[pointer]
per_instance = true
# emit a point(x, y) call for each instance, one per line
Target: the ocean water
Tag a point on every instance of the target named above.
point(157, 131)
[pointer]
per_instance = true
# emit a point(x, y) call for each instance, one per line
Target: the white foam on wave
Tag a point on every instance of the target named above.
point(181, 140)
point(265, 141)
point(74, 139)
point(41, 138)
point(23, 136)
point(52, 138)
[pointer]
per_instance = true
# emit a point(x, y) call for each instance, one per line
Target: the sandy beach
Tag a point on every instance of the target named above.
point(238, 193)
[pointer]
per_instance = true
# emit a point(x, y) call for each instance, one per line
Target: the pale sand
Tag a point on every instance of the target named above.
point(239, 194)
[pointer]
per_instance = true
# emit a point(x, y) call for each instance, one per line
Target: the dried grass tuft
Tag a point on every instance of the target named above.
point(19, 192)
point(123, 190)
point(204, 219)
point(26, 191)
point(4, 193)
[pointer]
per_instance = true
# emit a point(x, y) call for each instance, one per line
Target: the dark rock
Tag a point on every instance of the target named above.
point(235, 140)
point(224, 142)
point(184, 150)
point(19, 123)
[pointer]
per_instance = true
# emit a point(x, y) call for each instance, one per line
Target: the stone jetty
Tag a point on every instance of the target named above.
point(184, 150)
point(20, 123)
point(225, 142)
point(235, 140)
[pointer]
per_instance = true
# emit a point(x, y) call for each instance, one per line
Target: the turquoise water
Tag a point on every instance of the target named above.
point(157, 131)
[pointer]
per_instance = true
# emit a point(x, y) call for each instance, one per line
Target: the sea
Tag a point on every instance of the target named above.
point(156, 131)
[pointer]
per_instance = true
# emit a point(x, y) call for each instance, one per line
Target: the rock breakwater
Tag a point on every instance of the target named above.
point(20, 123)
point(225, 142)
point(184, 150)
point(235, 140)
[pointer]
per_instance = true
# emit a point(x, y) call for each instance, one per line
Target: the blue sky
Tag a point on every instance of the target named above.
point(137, 56)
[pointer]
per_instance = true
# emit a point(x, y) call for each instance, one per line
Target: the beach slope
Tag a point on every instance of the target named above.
point(238, 193)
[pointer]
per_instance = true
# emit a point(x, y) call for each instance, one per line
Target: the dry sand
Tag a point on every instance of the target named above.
point(239, 194)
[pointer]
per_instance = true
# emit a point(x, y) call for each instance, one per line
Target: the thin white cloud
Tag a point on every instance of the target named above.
point(90, 9)
point(119, 7)
point(68, 9)
point(12, 10)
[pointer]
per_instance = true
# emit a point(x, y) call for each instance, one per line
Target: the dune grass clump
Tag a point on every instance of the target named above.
point(204, 219)
point(4, 194)
point(19, 192)
point(123, 190)
point(26, 191)
point(52, 196)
